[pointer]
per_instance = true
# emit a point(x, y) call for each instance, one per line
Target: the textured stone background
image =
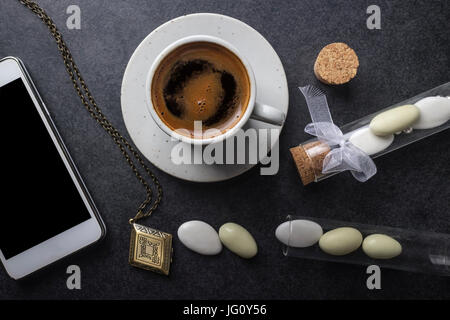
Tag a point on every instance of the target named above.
point(407, 56)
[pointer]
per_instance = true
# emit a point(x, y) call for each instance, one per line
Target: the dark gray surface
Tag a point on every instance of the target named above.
point(407, 56)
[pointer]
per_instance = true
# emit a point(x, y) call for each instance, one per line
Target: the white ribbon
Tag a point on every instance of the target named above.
point(344, 157)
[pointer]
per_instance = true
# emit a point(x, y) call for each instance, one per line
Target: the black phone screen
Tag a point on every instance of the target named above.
point(40, 197)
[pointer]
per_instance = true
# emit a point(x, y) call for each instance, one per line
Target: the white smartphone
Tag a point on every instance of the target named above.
point(50, 212)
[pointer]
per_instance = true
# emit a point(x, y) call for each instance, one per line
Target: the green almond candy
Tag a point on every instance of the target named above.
point(238, 240)
point(394, 120)
point(381, 246)
point(340, 241)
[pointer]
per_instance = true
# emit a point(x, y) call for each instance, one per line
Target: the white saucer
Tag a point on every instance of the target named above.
point(155, 145)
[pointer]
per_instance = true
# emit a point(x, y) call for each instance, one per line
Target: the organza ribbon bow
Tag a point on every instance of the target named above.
point(344, 156)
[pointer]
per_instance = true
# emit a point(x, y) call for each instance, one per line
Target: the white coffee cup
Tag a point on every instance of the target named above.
point(254, 110)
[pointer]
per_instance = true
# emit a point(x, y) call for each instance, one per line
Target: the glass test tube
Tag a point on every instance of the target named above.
point(424, 252)
point(309, 155)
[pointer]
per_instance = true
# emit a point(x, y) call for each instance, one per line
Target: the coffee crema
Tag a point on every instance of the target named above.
point(200, 81)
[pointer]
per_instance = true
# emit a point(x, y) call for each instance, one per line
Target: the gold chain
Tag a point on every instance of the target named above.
point(91, 106)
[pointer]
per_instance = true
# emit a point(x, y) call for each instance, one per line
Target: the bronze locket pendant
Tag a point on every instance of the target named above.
point(150, 249)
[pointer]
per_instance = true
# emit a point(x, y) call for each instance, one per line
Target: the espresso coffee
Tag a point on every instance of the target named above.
point(200, 81)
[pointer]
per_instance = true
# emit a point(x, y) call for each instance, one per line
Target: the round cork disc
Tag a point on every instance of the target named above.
point(336, 63)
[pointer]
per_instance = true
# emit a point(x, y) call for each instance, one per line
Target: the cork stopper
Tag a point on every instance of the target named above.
point(309, 160)
point(336, 63)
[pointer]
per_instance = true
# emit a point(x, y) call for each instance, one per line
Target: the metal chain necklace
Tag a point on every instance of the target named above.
point(149, 248)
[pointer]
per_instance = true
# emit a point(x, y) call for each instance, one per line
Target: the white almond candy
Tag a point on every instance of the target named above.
point(380, 246)
point(340, 241)
point(434, 111)
point(394, 120)
point(365, 140)
point(299, 233)
point(200, 237)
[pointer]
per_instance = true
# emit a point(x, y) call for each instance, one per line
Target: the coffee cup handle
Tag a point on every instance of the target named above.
point(265, 113)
